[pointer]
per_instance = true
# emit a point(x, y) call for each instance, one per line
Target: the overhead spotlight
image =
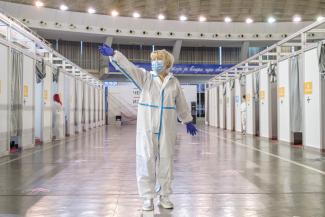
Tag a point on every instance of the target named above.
point(118, 31)
point(320, 18)
point(311, 35)
point(25, 20)
point(161, 17)
point(89, 28)
point(228, 20)
point(271, 20)
point(269, 36)
point(256, 35)
point(171, 34)
point(189, 34)
point(136, 15)
point(102, 29)
point(215, 35)
point(131, 32)
point(144, 32)
point(43, 23)
point(202, 35)
point(39, 4)
point(249, 20)
point(114, 13)
point(202, 19)
point(64, 8)
point(182, 18)
point(72, 26)
point(58, 24)
point(284, 35)
point(240, 36)
point(296, 19)
point(91, 10)
point(228, 36)
point(158, 33)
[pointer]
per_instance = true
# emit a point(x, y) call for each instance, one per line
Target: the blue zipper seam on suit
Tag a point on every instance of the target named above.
point(156, 106)
point(161, 113)
point(126, 74)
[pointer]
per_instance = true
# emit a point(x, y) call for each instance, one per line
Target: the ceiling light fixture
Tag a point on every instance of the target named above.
point(202, 19)
point(161, 17)
point(296, 19)
point(39, 4)
point(249, 20)
point(136, 15)
point(320, 18)
point(114, 13)
point(228, 20)
point(63, 8)
point(91, 10)
point(271, 20)
point(182, 18)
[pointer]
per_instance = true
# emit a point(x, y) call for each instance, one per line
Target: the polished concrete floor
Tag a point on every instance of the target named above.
point(217, 174)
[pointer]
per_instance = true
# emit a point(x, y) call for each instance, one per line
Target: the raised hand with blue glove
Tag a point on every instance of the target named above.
point(191, 129)
point(106, 50)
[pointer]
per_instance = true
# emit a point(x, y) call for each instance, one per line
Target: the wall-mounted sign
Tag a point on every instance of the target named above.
point(281, 91)
point(248, 97)
point(308, 88)
point(25, 90)
point(46, 95)
point(203, 69)
point(262, 95)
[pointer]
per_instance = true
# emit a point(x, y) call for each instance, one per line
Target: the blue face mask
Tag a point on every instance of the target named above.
point(157, 66)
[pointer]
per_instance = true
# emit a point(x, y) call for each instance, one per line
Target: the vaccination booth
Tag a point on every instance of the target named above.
point(31, 73)
point(284, 88)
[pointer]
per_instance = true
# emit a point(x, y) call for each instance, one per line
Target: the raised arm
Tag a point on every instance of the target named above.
point(121, 63)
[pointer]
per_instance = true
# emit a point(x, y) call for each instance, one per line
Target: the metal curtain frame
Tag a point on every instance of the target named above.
point(256, 62)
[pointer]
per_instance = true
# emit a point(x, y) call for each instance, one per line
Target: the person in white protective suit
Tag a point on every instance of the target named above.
point(243, 114)
point(57, 117)
point(161, 102)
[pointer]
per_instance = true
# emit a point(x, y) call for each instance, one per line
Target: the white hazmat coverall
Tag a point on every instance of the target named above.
point(243, 111)
point(159, 106)
point(58, 120)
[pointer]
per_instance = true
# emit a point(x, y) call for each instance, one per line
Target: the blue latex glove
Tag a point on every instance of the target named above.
point(191, 129)
point(106, 50)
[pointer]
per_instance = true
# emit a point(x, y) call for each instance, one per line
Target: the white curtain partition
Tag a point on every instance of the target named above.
point(210, 116)
point(69, 104)
point(250, 121)
point(238, 101)
point(267, 102)
point(86, 106)
point(16, 94)
point(4, 112)
point(79, 113)
point(222, 106)
point(216, 107)
point(90, 109)
point(27, 137)
point(314, 98)
point(47, 108)
point(104, 105)
point(206, 106)
point(100, 106)
point(60, 84)
point(96, 107)
point(230, 105)
point(284, 129)
point(296, 94)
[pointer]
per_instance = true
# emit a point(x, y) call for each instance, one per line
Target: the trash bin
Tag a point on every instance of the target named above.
point(193, 111)
point(118, 120)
